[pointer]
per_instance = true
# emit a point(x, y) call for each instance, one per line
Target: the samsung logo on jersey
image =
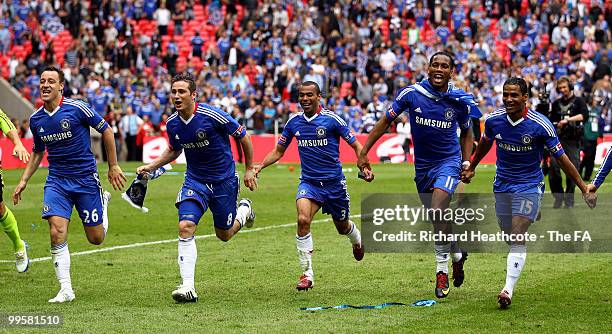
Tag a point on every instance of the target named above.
point(56, 136)
point(198, 144)
point(433, 122)
point(312, 142)
point(514, 148)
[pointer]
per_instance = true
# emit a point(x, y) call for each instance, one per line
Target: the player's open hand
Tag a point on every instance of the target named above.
point(467, 175)
point(21, 153)
point(116, 177)
point(250, 179)
point(364, 166)
point(590, 198)
point(17, 193)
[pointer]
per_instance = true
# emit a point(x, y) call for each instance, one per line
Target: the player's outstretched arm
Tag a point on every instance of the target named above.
point(250, 180)
point(570, 171)
point(604, 170)
point(19, 151)
point(483, 148)
point(356, 145)
point(115, 174)
point(166, 157)
point(27, 174)
point(363, 162)
point(466, 140)
point(272, 157)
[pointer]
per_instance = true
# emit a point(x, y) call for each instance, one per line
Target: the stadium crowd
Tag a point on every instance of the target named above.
point(250, 56)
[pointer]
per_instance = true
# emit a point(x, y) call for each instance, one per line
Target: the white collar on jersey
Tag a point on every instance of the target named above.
point(513, 123)
point(425, 92)
point(51, 113)
point(188, 120)
point(311, 118)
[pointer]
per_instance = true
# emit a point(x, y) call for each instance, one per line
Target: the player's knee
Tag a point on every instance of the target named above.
point(186, 229)
point(56, 231)
point(223, 236)
point(95, 239)
point(2, 209)
point(303, 220)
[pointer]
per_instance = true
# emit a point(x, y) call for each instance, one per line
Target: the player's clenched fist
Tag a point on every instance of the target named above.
point(590, 198)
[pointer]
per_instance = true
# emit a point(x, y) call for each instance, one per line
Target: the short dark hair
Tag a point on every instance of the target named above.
point(564, 78)
point(60, 74)
point(443, 53)
point(516, 81)
point(188, 78)
point(312, 83)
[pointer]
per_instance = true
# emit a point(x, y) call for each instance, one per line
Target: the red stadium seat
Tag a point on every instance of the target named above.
point(240, 12)
point(384, 29)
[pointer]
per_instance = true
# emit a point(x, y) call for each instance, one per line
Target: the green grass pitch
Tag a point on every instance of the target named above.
point(247, 284)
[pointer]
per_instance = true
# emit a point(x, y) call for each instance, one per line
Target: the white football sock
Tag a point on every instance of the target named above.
point(354, 235)
point(241, 214)
point(61, 262)
point(304, 248)
point(105, 216)
point(514, 265)
point(187, 257)
point(442, 252)
point(455, 252)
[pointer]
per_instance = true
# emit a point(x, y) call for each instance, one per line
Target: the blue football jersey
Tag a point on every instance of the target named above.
point(205, 139)
point(604, 170)
point(318, 140)
point(434, 120)
point(520, 145)
point(64, 132)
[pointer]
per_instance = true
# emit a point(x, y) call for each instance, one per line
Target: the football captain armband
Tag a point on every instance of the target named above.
point(135, 194)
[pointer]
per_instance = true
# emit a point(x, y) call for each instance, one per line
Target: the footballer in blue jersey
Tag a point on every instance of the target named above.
point(61, 127)
point(436, 110)
point(603, 172)
point(322, 185)
point(202, 132)
point(521, 136)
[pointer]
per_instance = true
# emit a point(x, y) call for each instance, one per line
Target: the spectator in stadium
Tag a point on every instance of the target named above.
point(113, 121)
point(130, 127)
point(364, 91)
point(568, 114)
point(5, 38)
point(26, 132)
point(405, 137)
point(593, 129)
point(162, 16)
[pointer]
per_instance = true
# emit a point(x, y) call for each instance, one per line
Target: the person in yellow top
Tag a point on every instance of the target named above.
point(8, 223)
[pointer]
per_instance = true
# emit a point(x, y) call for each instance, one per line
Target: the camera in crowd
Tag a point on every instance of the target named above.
point(543, 106)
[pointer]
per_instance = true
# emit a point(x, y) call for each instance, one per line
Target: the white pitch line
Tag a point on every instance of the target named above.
point(141, 244)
